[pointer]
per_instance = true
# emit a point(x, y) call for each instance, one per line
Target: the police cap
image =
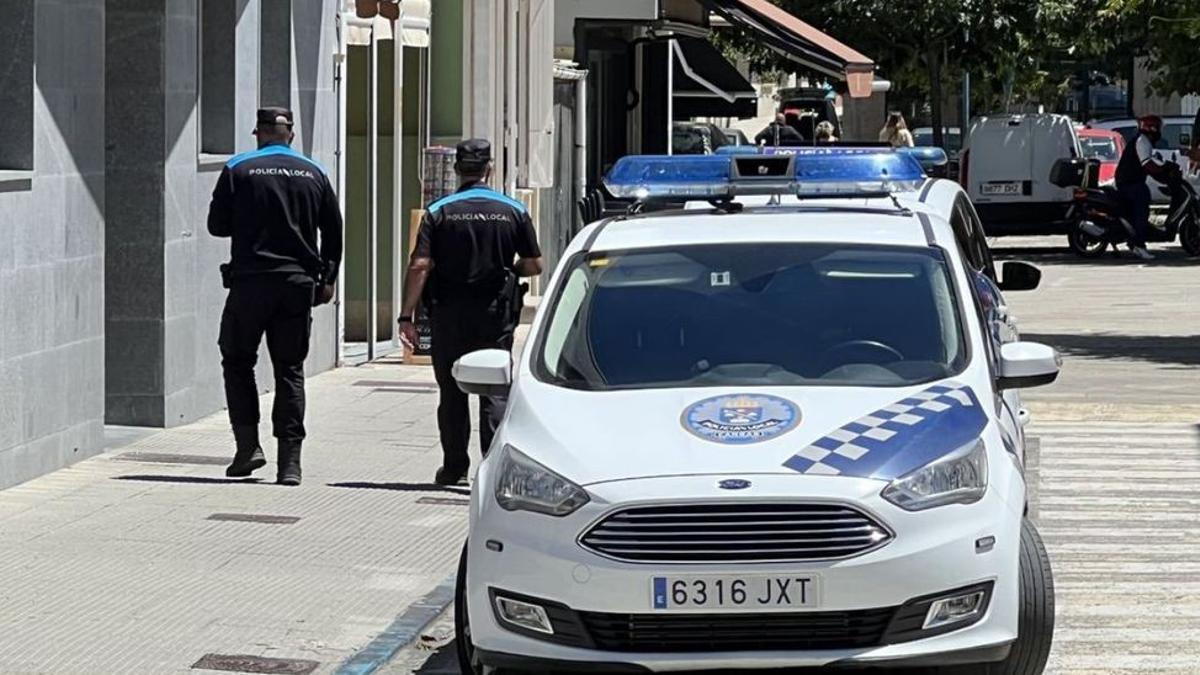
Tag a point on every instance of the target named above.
point(472, 155)
point(272, 116)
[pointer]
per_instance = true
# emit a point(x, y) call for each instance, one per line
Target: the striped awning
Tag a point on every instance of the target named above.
point(800, 42)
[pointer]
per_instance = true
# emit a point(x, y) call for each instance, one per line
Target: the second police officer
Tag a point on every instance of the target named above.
point(471, 249)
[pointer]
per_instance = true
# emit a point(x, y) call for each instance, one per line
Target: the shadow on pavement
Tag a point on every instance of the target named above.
point(1163, 257)
point(403, 487)
point(1174, 350)
point(198, 480)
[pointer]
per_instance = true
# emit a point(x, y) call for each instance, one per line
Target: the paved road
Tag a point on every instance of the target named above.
point(1119, 462)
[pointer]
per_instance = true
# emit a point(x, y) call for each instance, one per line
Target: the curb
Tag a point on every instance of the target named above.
point(402, 632)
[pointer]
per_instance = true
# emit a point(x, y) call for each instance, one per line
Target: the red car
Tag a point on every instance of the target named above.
point(1105, 146)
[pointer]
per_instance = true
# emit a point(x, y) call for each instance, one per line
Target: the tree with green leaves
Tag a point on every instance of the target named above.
point(1016, 50)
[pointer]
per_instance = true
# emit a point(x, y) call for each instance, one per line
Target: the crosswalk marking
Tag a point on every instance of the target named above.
point(1117, 504)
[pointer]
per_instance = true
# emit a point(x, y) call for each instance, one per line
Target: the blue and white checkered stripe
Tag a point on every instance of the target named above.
point(938, 420)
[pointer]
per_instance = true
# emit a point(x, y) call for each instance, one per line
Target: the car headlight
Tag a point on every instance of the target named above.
point(525, 485)
point(957, 478)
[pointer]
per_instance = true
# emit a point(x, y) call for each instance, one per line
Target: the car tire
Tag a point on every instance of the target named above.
point(468, 663)
point(1085, 245)
point(1035, 624)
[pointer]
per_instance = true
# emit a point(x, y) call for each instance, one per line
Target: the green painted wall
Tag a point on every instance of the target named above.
point(413, 142)
point(445, 85)
point(358, 175)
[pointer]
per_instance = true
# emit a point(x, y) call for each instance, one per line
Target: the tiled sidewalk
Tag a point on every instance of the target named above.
point(116, 565)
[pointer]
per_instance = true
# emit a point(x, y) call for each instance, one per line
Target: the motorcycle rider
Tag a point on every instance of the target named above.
point(1138, 161)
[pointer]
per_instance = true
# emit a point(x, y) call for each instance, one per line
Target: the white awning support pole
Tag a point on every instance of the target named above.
point(398, 218)
point(687, 69)
point(671, 96)
point(373, 221)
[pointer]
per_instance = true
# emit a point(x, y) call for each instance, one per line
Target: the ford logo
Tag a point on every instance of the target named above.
point(733, 484)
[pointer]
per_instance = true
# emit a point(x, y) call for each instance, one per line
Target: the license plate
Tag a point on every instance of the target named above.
point(1003, 189)
point(748, 592)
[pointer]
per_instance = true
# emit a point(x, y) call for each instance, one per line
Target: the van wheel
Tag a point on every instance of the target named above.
point(1035, 623)
point(1189, 237)
point(468, 659)
point(1085, 245)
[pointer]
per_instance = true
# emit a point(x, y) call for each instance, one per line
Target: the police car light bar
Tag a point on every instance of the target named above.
point(746, 170)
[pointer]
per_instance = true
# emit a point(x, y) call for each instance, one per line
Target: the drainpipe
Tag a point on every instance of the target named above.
point(581, 134)
point(341, 67)
point(512, 65)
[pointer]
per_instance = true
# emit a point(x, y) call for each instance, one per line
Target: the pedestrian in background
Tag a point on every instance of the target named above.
point(472, 248)
point(825, 132)
point(282, 215)
point(895, 132)
point(778, 133)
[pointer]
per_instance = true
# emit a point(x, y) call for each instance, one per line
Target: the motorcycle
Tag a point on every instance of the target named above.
point(1097, 218)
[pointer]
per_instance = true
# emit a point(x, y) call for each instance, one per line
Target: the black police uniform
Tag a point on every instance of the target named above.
point(276, 204)
point(472, 236)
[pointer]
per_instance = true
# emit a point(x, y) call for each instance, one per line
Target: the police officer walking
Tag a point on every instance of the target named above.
point(471, 249)
point(282, 214)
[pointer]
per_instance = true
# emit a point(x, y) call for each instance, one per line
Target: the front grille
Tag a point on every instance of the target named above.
point(735, 532)
point(736, 632)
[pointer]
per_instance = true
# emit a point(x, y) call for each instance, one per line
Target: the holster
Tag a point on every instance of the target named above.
point(512, 299)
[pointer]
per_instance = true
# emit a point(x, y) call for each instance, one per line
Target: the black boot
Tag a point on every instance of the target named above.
point(289, 463)
point(249, 456)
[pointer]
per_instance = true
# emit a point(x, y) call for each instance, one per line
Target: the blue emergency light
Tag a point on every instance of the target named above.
point(745, 170)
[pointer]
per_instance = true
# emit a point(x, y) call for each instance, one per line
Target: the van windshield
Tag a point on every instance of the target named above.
point(753, 314)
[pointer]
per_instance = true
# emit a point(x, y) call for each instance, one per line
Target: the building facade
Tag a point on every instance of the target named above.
point(52, 240)
point(116, 118)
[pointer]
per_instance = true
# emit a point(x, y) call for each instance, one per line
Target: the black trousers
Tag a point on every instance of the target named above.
point(457, 330)
point(280, 306)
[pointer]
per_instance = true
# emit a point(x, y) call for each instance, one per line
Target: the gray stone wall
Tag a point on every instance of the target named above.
point(52, 255)
point(175, 277)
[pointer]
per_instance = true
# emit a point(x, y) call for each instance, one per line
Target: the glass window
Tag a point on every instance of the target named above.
point(275, 54)
point(749, 314)
point(218, 27)
point(16, 85)
point(1103, 149)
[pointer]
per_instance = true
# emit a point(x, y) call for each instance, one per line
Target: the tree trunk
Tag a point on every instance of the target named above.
point(935, 96)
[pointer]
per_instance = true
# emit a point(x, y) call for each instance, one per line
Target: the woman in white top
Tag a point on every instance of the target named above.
point(895, 132)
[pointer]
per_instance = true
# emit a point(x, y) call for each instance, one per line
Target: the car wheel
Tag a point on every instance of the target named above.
point(1035, 623)
point(1189, 237)
point(468, 659)
point(1085, 245)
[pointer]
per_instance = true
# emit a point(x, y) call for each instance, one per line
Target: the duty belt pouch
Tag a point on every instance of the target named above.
point(225, 275)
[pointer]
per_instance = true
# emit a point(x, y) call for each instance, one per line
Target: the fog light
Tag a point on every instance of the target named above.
point(524, 614)
point(954, 609)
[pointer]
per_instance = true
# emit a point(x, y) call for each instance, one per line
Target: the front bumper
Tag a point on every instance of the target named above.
point(933, 552)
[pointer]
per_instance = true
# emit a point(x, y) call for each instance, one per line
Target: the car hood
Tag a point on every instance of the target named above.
point(861, 432)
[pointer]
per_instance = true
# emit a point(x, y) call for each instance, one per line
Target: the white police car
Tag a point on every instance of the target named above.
point(760, 437)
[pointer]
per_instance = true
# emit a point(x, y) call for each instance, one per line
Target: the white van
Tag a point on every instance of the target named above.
point(1005, 169)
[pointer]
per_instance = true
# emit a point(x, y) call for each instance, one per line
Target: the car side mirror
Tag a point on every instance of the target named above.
point(487, 372)
point(1016, 275)
point(1027, 364)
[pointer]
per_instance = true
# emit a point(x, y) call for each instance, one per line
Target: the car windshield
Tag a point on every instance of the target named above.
point(753, 314)
point(1103, 149)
